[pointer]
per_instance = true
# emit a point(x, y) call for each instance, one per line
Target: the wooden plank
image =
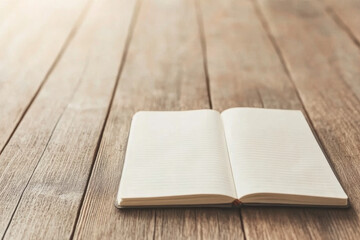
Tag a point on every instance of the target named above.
point(163, 71)
point(242, 59)
point(243, 67)
point(32, 37)
point(45, 168)
point(346, 14)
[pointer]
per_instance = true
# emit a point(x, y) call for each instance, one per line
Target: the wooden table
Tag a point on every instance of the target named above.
point(72, 74)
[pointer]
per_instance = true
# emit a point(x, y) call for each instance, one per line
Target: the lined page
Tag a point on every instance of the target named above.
point(176, 153)
point(274, 151)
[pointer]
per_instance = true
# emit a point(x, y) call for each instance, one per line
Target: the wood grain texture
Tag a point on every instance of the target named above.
point(244, 69)
point(46, 165)
point(309, 53)
point(32, 36)
point(163, 71)
point(344, 58)
point(346, 14)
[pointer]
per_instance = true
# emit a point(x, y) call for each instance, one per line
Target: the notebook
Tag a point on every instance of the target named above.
point(237, 157)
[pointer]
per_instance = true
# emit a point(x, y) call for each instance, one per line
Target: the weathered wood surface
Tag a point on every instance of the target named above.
point(72, 73)
point(346, 14)
point(46, 165)
point(32, 37)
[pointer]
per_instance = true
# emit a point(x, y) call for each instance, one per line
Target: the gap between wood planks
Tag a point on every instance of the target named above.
point(337, 19)
point(71, 35)
point(277, 49)
point(27, 183)
point(342, 25)
point(52, 67)
point(199, 18)
point(122, 63)
point(81, 78)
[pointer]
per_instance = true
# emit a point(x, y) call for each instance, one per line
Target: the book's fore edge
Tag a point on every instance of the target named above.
point(235, 203)
point(323, 150)
point(294, 205)
point(221, 205)
point(117, 201)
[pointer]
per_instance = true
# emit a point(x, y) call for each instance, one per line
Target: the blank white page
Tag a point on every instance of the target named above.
point(175, 154)
point(274, 151)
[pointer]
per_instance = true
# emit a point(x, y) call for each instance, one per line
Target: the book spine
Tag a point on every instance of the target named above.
point(237, 203)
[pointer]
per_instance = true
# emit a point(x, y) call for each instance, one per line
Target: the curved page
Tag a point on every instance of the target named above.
point(276, 159)
point(176, 154)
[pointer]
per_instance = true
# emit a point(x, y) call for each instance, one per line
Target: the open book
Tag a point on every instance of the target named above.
point(239, 156)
